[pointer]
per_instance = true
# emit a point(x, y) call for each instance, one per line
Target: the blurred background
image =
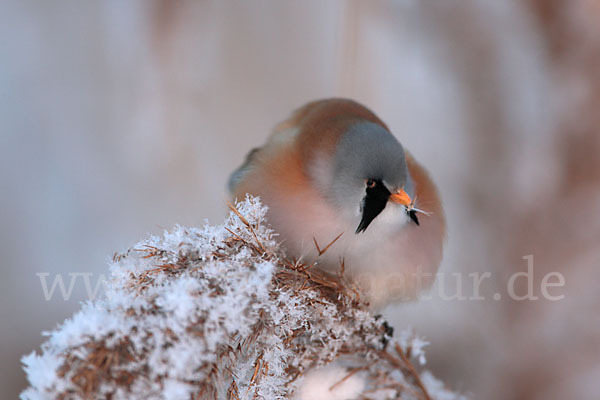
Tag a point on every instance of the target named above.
point(119, 119)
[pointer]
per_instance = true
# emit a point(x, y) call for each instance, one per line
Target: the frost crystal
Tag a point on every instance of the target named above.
point(220, 313)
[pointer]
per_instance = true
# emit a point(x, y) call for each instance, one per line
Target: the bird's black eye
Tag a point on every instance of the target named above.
point(371, 183)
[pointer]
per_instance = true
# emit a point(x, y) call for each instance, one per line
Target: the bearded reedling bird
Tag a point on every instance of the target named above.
point(334, 167)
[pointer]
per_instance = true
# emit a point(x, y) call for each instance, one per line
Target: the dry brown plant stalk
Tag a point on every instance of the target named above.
point(222, 339)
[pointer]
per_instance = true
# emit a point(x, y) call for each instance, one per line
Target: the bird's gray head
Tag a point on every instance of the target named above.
point(370, 171)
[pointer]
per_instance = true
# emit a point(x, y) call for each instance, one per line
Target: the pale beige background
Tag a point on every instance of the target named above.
point(118, 119)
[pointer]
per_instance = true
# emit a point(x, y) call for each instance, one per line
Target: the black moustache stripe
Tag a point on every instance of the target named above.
point(373, 204)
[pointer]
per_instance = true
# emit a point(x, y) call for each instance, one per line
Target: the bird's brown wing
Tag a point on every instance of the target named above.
point(283, 134)
point(238, 175)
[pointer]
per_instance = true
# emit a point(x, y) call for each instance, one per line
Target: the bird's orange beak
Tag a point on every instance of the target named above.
point(401, 197)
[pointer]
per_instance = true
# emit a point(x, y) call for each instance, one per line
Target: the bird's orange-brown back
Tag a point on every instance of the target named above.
point(321, 124)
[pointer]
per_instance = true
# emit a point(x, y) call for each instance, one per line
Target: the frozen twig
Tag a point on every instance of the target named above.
point(220, 313)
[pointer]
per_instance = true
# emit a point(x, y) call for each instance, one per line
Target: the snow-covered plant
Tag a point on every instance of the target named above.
point(221, 313)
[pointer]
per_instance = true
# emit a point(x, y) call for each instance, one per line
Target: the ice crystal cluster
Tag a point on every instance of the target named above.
point(219, 313)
